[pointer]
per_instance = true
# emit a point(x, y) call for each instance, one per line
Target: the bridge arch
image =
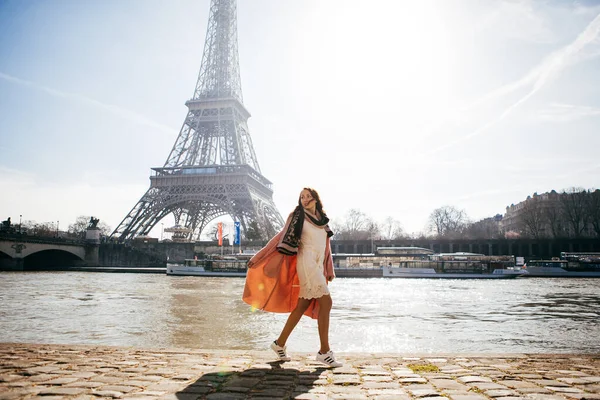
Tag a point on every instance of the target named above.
point(52, 258)
point(7, 262)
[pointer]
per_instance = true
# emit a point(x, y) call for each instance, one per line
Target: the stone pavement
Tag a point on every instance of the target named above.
point(96, 372)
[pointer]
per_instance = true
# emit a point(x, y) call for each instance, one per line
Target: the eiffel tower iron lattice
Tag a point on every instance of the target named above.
point(212, 169)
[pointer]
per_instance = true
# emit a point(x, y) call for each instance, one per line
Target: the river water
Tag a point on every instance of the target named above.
point(369, 315)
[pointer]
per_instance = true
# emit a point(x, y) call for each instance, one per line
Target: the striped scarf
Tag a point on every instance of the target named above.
point(293, 230)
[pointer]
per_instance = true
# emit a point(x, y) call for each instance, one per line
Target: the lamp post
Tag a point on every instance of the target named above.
point(57, 222)
point(20, 218)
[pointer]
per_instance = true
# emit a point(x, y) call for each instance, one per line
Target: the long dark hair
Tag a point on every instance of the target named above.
point(315, 195)
point(299, 211)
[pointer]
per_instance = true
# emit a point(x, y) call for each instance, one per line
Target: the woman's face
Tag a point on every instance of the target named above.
point(306, 199)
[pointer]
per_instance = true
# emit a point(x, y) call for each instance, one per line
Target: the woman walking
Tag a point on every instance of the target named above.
point(290, 274)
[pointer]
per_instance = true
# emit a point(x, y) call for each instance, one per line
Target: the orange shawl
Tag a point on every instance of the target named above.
point(272, 282)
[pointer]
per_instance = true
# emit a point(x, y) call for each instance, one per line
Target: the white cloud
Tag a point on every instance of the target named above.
point(116, 110)
point(538, 77)
point(565, 113)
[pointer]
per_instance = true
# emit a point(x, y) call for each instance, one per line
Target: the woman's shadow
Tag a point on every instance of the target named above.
point(274, 382)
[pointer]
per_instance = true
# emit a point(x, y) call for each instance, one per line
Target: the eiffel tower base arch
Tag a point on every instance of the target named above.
point(197, 196)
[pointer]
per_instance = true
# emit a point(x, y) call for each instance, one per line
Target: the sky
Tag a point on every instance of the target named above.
point(394, 108)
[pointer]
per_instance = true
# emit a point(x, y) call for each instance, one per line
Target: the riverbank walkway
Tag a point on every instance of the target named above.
point(96, 372)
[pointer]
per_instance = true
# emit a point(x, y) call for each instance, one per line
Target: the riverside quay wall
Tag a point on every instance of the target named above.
point(20, 253)
point(155, 253)
point(528, 248)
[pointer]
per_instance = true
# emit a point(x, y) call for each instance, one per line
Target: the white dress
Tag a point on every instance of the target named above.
point(311, 254)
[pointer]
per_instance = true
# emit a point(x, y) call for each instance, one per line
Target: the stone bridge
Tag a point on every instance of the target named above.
point(24, 253)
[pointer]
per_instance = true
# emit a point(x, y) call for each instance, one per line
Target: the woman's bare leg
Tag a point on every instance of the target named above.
point(292, 321)
point(325, 304)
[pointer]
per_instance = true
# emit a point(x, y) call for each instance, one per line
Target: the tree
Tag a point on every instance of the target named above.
point(336, 227)
point(355, 221)
point(373, 229)
point(28, 227)
point(593, 210)
point(356, 226)
point(47, 229)
point(391, 229)
point(253, 231)
point(421, 235)
point(532, 218)
point(212, 232)
point(447, 221)
point(574, 202)
point(552, 215)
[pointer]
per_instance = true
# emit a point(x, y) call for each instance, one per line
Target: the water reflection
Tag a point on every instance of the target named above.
point(369, 315)
point(207, 313)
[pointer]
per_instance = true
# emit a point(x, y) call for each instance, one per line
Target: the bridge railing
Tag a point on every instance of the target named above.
point(40, 239)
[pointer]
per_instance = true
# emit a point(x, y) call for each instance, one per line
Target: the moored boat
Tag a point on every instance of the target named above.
point(415, 262)
point(431, 273)
point(224, 267)
point(572, 265)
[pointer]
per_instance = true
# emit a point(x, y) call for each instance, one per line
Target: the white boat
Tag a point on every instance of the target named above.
point(459, 265)
point(555, 268)
point(226, 267)
point(395, 272)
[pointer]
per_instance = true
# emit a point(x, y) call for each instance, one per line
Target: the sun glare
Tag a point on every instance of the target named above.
point(392, 57)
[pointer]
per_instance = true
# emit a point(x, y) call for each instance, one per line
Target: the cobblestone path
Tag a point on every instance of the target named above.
point(97, 372)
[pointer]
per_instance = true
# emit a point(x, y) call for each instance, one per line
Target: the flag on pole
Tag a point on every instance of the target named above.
point(237, 232)
point(220, 233)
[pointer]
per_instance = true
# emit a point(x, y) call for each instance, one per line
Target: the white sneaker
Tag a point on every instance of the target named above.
point(280, 351)
point(328, 359)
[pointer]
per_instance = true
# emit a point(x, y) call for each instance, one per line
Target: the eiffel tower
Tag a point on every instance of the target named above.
point(212, 169)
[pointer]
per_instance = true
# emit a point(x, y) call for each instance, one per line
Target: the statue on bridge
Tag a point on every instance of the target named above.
point(6, 225)
point(93, 224)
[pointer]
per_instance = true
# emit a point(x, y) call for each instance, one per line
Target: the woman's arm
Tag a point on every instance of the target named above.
point(328, 263)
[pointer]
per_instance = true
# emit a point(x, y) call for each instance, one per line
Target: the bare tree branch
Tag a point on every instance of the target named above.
point(447, 221)
point(593, 209)
point(391, 229)
point(532, 218)
point(573, 202)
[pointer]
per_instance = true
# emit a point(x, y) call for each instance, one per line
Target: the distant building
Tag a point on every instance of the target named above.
point(545, 215)
point(487, 228)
